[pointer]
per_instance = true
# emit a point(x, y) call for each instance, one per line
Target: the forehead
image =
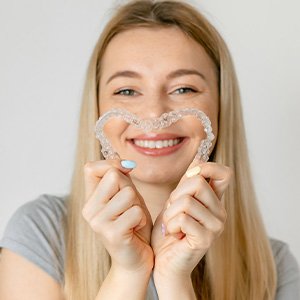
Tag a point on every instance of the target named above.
point(154, 49)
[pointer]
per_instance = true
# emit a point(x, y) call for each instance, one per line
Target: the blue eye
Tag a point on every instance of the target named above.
point(184, 90)
point(126, 92)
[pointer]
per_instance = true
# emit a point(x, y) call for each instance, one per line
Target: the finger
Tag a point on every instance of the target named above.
point(121, 202)
point(192, 168)
point(95, 170)
point(132, 218)
point(194, 164)
point(111, 183)
point(196, 210)
point(219, 175)
point(193, 230)
point(107, 190)
point(198, 188)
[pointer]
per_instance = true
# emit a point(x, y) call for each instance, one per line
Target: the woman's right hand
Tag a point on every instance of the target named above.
point(117, 213)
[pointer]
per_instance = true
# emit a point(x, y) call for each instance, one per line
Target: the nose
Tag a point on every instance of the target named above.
point(154, 106)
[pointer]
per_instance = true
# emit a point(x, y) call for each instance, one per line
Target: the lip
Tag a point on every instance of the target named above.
point(156, 137)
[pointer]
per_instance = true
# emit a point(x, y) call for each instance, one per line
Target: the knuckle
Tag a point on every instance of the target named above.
point(182, 217)
point(137, 211)
point(88, 167)
point(186, 203)
point(95, 224)
point(172, 196)
point(129, 192)
point(200, 184)
point(223, 214)
point(218, 227)
point(128, 196)
point(200, 181)
point(85, 213)
point(229, 173)
point(113, 175)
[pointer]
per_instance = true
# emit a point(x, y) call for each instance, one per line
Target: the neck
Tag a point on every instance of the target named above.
point(155, 195)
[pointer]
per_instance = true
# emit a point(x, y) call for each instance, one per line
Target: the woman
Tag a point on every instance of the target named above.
point(152, 224)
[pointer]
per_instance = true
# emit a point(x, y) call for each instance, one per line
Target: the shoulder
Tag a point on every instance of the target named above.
point(36, 232)
point(49, 206)
point(288, 274)
point(44, 214)
point(285, 261)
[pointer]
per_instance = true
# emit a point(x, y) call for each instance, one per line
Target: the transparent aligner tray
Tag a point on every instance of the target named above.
point(147, 125)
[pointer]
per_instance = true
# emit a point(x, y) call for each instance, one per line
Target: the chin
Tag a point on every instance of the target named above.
point(158, 175)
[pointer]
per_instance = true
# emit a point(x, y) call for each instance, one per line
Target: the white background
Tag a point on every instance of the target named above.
point(45, 47)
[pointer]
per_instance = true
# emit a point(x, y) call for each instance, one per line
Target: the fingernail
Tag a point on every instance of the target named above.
point(193, 172)
point(163, 229)
point(128, 164)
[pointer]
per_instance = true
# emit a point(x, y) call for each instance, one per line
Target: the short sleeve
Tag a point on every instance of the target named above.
point(36, 232)
point(288, 274)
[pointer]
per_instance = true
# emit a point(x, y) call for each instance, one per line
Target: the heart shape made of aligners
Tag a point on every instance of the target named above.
point(165, 120)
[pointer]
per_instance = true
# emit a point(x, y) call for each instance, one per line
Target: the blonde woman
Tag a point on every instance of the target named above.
point(154, 224)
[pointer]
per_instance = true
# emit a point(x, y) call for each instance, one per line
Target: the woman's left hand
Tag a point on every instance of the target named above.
point(193, 218)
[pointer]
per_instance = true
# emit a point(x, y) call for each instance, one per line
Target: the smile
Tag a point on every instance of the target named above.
point(157, 144)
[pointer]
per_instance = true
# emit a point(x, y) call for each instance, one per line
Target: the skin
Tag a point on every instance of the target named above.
point(127, 207)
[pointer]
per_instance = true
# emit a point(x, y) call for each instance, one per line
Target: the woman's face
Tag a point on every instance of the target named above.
point(150, 71)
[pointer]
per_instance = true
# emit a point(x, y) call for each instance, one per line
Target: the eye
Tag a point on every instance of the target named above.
point(184, 90)
point(126, 92)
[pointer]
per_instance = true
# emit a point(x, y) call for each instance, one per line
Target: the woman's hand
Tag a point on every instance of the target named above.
point(194, 217)
point(117, 213)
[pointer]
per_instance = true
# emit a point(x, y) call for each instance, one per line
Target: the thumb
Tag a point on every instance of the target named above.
point(193, 169)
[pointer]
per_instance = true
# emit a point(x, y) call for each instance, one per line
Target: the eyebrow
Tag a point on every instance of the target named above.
point(126, 73)
point(184, 72)
point(172, 75)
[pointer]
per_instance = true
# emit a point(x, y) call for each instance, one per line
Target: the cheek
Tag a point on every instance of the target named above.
point(195, 130)
point(105, 105)
point(113, 129)
point(211, 108)
point(214, 125)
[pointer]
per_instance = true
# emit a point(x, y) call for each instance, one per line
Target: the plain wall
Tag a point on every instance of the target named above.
point(45, 48)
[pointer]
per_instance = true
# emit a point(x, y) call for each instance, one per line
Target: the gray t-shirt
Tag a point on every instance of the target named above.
point(35, 232)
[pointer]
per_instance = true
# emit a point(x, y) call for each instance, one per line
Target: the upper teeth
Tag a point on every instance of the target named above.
point(156, 144)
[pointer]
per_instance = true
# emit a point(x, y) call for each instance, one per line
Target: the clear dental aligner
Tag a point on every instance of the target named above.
point(147, 125)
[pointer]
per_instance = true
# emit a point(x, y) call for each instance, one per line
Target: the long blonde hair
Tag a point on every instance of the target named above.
point(240, 263)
